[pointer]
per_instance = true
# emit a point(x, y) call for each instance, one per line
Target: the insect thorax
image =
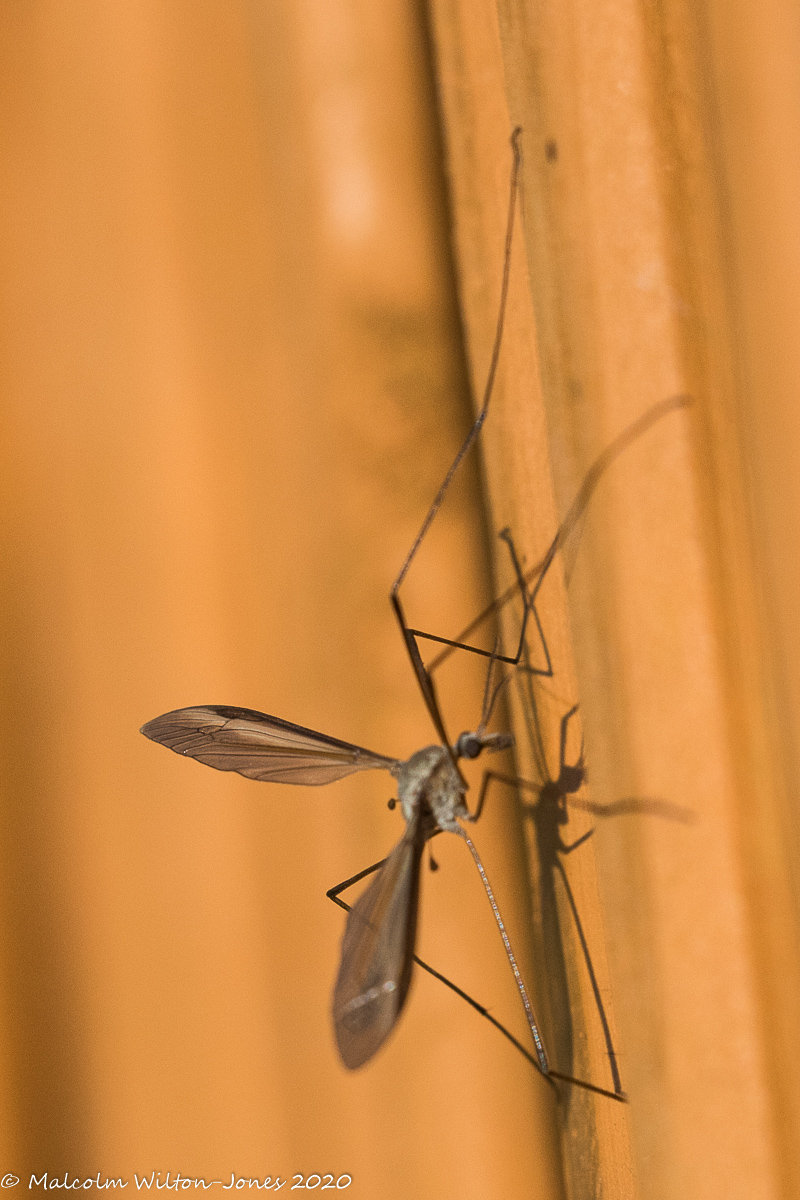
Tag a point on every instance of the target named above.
point(429, 777)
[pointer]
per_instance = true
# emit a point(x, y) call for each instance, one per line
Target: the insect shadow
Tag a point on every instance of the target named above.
point(549, 814)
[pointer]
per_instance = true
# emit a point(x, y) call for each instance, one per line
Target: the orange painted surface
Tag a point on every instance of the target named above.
point(660, 236)
point(234, 372)
point(232, 384)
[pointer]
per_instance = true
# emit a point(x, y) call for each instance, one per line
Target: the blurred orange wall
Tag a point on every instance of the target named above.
point(233, 379)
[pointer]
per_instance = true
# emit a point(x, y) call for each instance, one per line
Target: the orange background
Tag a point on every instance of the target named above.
point(234, 373)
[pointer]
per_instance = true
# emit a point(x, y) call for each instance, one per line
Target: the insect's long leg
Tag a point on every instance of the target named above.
point(424, 680)
point(487, 394)
point(576, 511)
point(334, 892)
point(544, 1067)
point(409, 635)
point(490, 697)
point(512, 781)
point(523, 991)
point(491, 610)
point(527, 608)
point(334, 895)
point(484, 1012)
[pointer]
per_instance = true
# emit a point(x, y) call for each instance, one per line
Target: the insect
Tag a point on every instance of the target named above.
point(378, 945)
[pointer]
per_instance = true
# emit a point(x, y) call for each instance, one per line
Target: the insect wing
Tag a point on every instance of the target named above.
point(377, 949)
point(259, 746)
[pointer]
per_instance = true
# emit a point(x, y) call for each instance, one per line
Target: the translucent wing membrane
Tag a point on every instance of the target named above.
point(259, 746)
point(377, 953)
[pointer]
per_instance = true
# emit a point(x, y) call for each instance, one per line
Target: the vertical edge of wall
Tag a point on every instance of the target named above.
point(595, 1133)
point(632, 255)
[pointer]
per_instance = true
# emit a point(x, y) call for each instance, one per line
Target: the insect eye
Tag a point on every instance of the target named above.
point(468, 746)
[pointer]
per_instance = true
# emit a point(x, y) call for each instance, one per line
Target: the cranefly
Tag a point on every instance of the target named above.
point(380, 935)
point(379, 940)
